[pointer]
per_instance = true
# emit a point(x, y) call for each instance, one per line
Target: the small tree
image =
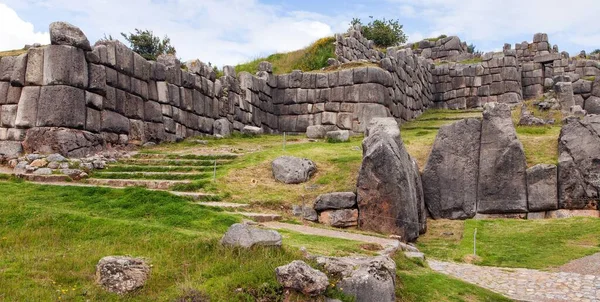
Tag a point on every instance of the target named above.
point(471, 48)
point(147, 45)
point(596, 51)
point(383, 32)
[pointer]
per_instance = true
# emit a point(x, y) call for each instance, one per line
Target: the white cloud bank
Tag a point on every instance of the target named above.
point(15, 33)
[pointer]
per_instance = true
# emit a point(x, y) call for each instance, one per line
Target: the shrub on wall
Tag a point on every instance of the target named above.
point(383, 32)
point(149, 46)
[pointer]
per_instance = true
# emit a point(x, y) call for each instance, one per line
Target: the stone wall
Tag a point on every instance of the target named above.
point(448, 49)
point(352, 46)
point(496, 79)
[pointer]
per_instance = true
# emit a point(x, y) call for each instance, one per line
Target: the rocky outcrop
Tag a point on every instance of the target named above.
point(364, 278)
point(301, 277)
point(451, 173)
point(63, 33)
point(68, 142)
point(579, 163)
point(502, 185)
point(339, 218)
point(247, 236)
point(335, 201)
point(542, 188)
point(388, 189)
point(121, 275)
point(293, 170)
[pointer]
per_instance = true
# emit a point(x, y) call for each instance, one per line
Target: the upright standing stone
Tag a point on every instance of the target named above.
point(542, 188)
point(388, 194)
point(502, 184)
point(63, 33)
point(450, 175)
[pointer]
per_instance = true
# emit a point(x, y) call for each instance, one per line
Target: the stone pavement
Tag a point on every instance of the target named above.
point(525, 284)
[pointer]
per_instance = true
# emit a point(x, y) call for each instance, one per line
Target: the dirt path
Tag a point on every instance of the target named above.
point(589, 265)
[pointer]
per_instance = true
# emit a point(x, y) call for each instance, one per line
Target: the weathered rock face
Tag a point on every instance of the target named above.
point(121, 275)
point(542, 188)
point(502, 186)
point(579, 163)
point(450, 175)
point(338, 135)
point(301, 277)
point(247, 236)
point(293, 170)
point(305, 212)
point(365, 278)
point(251, 130)
point(389, 195)
point(316, 131)
point(339, 218)
point(68, 142)
point(63, 33)
point(335, 201)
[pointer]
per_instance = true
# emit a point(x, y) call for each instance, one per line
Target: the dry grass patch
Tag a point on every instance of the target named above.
point(12, 53)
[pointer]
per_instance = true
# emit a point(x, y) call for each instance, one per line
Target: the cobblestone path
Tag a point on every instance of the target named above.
point(525, 284)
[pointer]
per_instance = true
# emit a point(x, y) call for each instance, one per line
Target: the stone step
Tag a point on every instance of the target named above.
point(153, 175)
point(186, 156)
point(45, 178)
point(108, 172)
point(193, 195)
point(147, 183)
point(149, 168)
point(220, 204)
point(261, 217)
point(174, 162)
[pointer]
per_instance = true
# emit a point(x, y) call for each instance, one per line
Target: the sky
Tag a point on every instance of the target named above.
point(228, 32)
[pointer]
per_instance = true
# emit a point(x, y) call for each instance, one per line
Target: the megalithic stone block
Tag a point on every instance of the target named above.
point(65, 65)
point(61, 106)
point(28, 106)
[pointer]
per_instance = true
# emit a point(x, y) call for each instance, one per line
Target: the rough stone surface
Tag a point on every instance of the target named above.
point(61, 106)
point(293, 170)
point(542, 187)
point(65, 141)
point(301, 277)
point(27, 109)
point(305, 212)
point(365, 278)
point(578, 163)
point(450, 175)
point(339, 218)
point(121, 274)
point(338, 135)
point(247, 236)
point(389, 192)
point(63, 33)
point(251, 130)
point(222, 127)
point(502, 186)
point(316, 131)
point(335, 201)
point(10, 148)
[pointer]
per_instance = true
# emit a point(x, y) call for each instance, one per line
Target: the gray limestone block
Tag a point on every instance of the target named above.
point(174, 95)
point(97, 78)
point(173, 75)
point(124, 58)
point(162, 91)
point(63, 33)
point(19, 70)
point(154, 132)
point(65, 65)
point(110, 102)
point(322, 80)
point(133, 107)
point(112, 78)
point(333, 78)
point(123, 82)
point(169, 124)
point(94, 100)
point(114, 122)
point(335, 201)
point(4, 87)
point(157, 71)
point(34, 74)
point(93, 120)
point(167, 110)
point(27, 109)
point(152, 112)
point(61, 106)
point(360, 75)
point(345, 77)
point(592, 105)
point(187, 102)
point(139, 88)
point(295, 79)
point(8, 114)
point(542, 193)
point(6, 68)
point(152, 91)
point(141, 67)
point(14, 94)
point(308, 80)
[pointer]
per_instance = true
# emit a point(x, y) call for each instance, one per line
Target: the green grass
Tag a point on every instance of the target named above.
point(151, 176)
point(591, 78)
point(134, 168)
point(537, 244)
point(313, 57)
point(418, 283)
point(172, 162)
point(148, 154)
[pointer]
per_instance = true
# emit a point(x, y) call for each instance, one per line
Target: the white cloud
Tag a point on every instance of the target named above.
point(15, 33)
point(493, 22)
point(217, 31)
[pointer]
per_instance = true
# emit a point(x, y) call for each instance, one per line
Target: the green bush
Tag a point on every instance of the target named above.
point(147, 45)
point(383, 32)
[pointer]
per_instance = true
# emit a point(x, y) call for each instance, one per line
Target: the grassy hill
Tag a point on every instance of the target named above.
point(10, 53)
point(313, 57)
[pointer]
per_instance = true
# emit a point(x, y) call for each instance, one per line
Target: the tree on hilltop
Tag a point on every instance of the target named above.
point(149, 46)
point(384, 33)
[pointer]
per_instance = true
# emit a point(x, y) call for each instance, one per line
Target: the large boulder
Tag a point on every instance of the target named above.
point(335, 201)
point(316, 131)
point(247, 236)
point(293, 170)
point(450, 175)
point(222, 127)
point(63, 33)
point(120, 274)
point(65, 141)
point(542, 188)
point(301, 277)
point(502, 186)
point(389, 192)
point(365, 278)
point(578, 163)
point(339, 218)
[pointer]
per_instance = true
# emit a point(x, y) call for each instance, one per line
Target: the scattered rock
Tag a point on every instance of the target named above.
point(305, 212)
point(301, 277)
point(338, 135)
point(222, 127)
point(577, 111)
point(339, 218)
point(121, 275)
point(251, 130)
point(39, 163)
point(247, 236)
point(293, 170)
point(335, 201)
point(63, 33)
point(43, 171)
point(415, 255)
point(56, 158)
point(316, 132)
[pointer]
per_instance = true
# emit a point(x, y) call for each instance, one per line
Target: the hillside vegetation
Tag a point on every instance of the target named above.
point(313, 57)
point(11, 53)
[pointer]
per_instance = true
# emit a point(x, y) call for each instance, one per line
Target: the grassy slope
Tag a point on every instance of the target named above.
point(11, 53)
point(52, 237)
point(539, 244)
point(313, 57)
